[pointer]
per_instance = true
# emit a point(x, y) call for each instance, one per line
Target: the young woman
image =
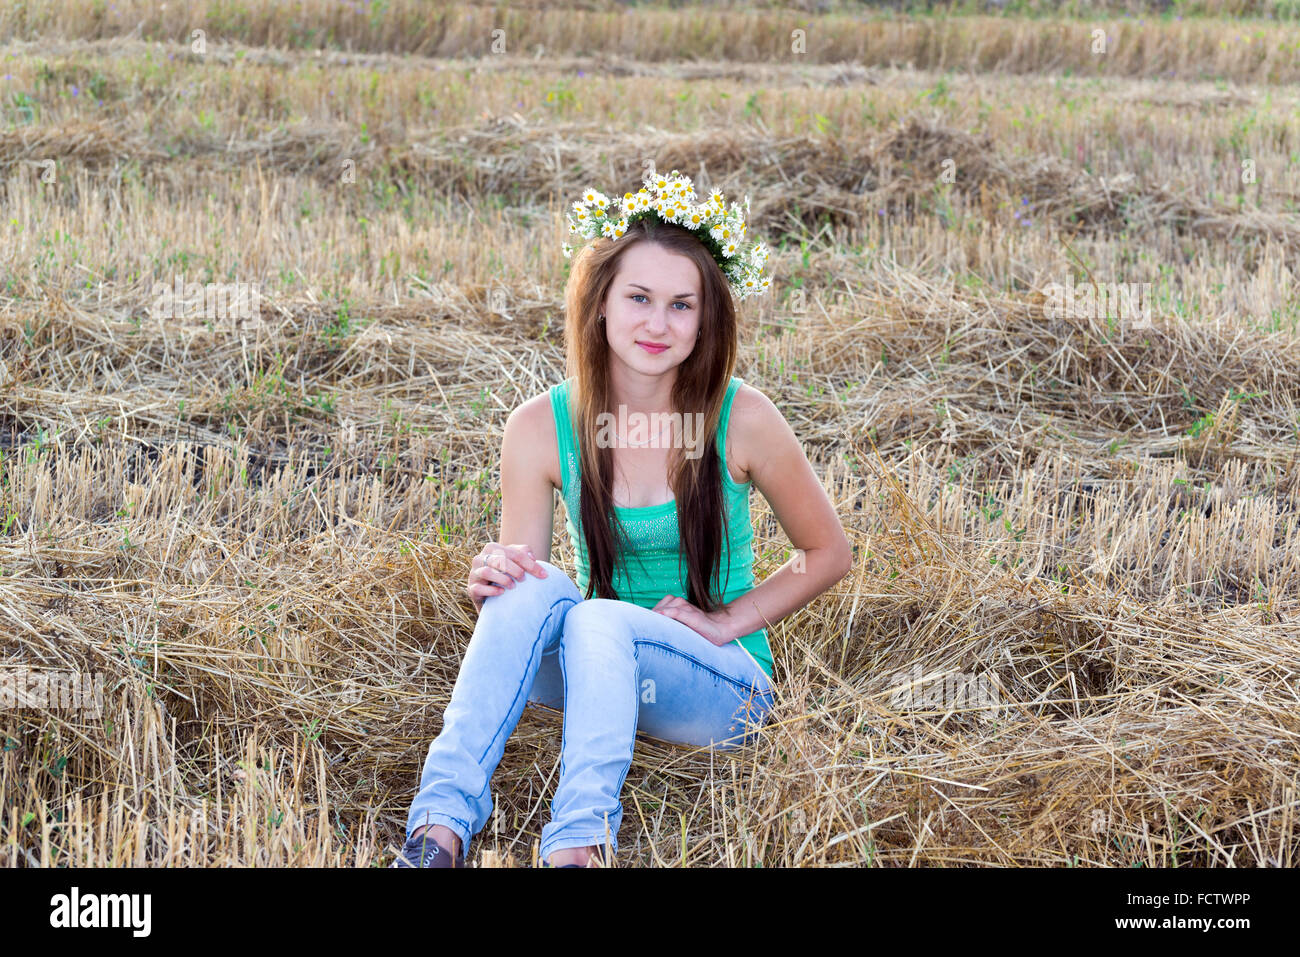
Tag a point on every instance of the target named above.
point(666, 634)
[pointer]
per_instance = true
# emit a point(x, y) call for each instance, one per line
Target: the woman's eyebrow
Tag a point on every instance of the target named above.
point(680, 295)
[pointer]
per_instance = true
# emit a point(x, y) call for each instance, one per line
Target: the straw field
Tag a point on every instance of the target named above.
point(256, 528)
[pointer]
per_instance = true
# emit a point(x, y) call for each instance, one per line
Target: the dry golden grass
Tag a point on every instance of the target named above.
point(258, 530)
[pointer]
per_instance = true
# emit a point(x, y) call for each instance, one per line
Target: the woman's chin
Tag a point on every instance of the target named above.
point(649, 364)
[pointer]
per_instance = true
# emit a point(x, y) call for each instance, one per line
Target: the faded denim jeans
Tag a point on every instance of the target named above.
point(614, 668)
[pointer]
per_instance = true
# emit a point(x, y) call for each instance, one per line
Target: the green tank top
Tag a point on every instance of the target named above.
point(656, 565)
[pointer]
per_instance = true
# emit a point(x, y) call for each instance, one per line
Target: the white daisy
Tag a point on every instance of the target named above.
point(696, 217)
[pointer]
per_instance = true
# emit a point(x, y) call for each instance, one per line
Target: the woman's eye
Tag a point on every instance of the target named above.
point(639, 295)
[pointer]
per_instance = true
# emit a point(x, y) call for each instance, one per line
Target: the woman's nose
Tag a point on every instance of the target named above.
point(657, 322)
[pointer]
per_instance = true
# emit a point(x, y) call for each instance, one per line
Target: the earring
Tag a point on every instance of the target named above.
point(697, 334)
point(602, 318)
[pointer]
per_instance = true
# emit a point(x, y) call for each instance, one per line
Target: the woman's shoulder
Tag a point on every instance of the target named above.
point(750, 424)
point(532, 425)
point(535, 411)
point(752, 406)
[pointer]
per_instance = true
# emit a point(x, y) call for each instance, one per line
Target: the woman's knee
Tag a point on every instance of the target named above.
point(597, 616)
point(598, 624)
point(555, 585)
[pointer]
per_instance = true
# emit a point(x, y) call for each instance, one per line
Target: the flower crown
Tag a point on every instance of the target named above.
point(721, 232)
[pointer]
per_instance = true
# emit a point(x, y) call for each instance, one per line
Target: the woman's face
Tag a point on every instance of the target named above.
point(652, 309)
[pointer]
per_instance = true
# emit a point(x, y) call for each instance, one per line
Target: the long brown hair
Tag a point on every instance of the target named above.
point(701, 385)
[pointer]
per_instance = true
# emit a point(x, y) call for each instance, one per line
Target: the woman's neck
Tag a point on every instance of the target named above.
point(641, 393)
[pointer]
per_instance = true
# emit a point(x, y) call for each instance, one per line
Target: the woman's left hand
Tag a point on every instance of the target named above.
point(714, 625)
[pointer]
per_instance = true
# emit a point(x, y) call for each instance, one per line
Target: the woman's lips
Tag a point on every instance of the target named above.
point(652, 348)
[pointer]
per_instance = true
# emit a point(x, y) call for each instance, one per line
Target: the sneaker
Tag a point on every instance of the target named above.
point(424, 851)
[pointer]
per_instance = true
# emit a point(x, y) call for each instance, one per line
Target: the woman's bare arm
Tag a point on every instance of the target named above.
point(763, 445)
point(528, 462)
point(527, 491)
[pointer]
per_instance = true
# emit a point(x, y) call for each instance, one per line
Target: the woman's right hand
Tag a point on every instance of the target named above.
point(497, 568)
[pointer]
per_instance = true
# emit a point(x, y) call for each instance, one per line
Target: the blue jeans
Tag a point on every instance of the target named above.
point(614, 668)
